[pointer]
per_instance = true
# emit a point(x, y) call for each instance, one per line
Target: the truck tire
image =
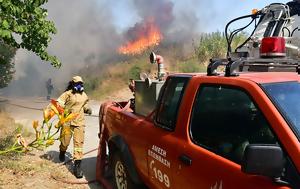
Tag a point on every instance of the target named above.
point(121, 177)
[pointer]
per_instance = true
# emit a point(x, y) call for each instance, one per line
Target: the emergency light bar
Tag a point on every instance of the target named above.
point(272, 47)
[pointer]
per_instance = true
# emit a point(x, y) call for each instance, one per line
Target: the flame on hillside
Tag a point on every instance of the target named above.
point(146, 35)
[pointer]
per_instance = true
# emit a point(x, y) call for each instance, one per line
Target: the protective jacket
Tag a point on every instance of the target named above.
point(75, 103)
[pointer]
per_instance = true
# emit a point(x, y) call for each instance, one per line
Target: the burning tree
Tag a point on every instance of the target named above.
point(145, 35)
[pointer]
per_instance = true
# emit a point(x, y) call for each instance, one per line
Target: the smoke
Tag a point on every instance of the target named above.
point(175, 25)
point(90, 32)
point(161, 11)
point(86, 36)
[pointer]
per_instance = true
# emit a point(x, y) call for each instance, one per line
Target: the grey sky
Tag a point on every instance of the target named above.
point(214, 14)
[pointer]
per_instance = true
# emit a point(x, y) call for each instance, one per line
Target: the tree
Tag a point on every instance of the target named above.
point(23, 24)
point(211, 45)
point(7, 65)
point(214, 45)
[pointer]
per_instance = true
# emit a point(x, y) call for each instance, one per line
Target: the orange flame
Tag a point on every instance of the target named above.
point(150, 36)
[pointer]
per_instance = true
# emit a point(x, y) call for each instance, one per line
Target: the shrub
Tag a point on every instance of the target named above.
point(190, 66)
point(91, 84)
point(134, 72)
point(214, 45)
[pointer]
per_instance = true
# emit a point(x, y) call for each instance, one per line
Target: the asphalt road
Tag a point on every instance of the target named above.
point(27, 109)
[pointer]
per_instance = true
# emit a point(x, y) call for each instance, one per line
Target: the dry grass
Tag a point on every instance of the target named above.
point(26, 165)
point(28, 171)
point(9, 130)
point(6, 124)
point(13, 165)
point(33, 172)
point(107, 88)
point(115, 77)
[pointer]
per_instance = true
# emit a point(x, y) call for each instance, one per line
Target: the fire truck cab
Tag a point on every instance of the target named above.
point(234, 129)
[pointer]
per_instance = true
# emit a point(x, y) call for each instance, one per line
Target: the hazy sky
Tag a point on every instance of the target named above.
point(213, 13)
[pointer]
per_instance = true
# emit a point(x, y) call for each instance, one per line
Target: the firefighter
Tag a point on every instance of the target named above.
point(74, 100)
point(49, 87)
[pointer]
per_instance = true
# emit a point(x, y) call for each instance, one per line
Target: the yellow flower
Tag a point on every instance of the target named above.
point(66, 131)
point(58, 125)
point(49, 142)
point(68, 118)
point(35, 124)
point(54, 109)
point(22, 141)
point(57, 107)
point(48, 114)
point(71, 117)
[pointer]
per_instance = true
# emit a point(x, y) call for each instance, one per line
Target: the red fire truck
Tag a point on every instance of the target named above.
point(217, 130)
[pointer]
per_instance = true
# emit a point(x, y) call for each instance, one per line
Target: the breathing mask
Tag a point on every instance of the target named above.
point(78, 87)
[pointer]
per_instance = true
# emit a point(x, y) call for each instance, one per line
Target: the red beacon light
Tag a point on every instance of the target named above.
point(272, 47)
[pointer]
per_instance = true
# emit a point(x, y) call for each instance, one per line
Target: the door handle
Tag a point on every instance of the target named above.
point(185, 159)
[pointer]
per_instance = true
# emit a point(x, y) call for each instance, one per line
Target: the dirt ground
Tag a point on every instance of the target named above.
point(42, 169)
point(37, 171)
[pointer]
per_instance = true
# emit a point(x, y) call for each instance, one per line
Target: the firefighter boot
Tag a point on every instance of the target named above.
point(77, 170)
point(62, 156)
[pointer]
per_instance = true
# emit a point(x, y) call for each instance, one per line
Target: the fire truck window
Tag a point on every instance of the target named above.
point(168, 107)
point(225, 120)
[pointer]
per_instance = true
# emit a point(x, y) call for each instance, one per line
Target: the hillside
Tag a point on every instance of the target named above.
point(103, 81)
point(115, 76)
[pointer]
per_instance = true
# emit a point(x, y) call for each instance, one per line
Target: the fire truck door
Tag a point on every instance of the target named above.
point(224, 121)
point(162, 145)
point(160, 158)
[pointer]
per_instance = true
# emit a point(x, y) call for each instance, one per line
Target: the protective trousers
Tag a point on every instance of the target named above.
point(78, 137)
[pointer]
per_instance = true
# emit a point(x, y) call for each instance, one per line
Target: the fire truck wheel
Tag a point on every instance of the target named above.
point(121, 177)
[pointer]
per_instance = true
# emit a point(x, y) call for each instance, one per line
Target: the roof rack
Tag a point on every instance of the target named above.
point(213, 65)
point(244, 64)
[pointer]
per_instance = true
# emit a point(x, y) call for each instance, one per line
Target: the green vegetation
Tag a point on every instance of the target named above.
point(23, 24)
point(214, 45)
point(134, 72)
point(114, 76)
point(10, 138)
point(9, 130)
point(190, 66)
point(7, 65)
point(44, 136)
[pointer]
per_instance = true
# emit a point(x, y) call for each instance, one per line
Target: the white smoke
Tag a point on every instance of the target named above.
point(89, 32)
point(86, 36)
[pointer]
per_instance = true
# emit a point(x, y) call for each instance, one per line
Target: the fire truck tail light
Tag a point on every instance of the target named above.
point(272, 47)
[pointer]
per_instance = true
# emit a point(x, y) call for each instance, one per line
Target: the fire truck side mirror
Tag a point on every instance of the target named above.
point(264, 160)
point(152, 58)
point(148, 82)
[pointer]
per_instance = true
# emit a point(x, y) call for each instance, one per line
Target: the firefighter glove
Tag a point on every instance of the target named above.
point(88, 111)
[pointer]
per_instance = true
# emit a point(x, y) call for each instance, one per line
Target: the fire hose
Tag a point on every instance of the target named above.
point(31, 108)
point(74, 181)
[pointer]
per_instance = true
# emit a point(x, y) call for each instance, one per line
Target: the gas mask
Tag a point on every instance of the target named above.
point(78, 87)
